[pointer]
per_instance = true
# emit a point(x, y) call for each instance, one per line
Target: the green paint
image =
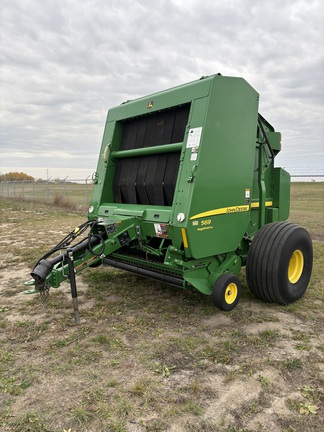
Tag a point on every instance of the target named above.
point(226, 185)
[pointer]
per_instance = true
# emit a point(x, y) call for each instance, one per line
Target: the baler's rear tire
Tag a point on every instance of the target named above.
point(226, 291)
point(279, 263)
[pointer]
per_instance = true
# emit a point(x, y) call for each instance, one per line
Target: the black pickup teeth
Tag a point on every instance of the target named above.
point(145, 269)
point(140, 255)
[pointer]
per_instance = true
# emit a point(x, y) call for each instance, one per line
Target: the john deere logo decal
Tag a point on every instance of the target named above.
point(150, 104)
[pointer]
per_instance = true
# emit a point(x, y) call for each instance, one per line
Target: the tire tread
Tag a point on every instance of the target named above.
point(264, 258)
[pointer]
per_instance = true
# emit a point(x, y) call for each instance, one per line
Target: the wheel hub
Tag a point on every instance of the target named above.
point(231, 293)
point(296, 266)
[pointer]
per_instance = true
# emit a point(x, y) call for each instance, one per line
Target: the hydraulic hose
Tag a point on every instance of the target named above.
point(67, 240)
point(44, 266)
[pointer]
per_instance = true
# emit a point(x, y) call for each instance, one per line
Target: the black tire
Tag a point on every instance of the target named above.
point(279, 263)
point(226, 292)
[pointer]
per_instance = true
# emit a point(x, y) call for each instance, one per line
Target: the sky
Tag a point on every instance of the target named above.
point(64, 63)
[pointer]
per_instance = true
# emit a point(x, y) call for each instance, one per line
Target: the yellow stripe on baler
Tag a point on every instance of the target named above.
point(257, 204)
point(223, 210)
point(229, 210)
point(184, 237)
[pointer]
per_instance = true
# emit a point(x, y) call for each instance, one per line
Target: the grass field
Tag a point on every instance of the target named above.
point(307, 207)
point(149, 357)
point(307, 199)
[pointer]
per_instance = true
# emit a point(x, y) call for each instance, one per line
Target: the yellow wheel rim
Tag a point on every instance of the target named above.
point(231, 293)
point(296, 266)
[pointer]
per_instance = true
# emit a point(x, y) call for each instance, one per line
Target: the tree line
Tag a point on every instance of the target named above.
point(15, 176)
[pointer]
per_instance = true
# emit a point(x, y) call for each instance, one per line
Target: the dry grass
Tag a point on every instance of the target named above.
point(146, 356)
point(60, 200)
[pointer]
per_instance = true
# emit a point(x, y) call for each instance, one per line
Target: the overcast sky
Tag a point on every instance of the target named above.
point(64, 63)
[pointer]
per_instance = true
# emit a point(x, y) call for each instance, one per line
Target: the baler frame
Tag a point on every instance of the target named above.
point(164, 205)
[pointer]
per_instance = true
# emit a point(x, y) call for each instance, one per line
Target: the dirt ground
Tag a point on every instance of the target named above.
point(146, 356)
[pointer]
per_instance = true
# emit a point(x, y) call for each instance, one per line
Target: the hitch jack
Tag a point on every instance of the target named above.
point(71, 276)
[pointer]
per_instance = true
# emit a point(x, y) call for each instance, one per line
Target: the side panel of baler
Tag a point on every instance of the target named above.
point(219, 208)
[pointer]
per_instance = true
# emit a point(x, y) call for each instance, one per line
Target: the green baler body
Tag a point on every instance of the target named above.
point(184, 180)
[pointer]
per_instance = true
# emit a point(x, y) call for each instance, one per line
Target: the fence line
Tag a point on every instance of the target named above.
point(306, 201)
point(67, 192)
point(79, 190)
point(307, 178)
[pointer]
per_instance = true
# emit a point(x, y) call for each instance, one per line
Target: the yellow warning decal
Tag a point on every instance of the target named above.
point(224, 210)
point(184, 237)
point(257, 204)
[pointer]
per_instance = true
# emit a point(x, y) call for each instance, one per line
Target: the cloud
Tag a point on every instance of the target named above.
point(64, 63)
